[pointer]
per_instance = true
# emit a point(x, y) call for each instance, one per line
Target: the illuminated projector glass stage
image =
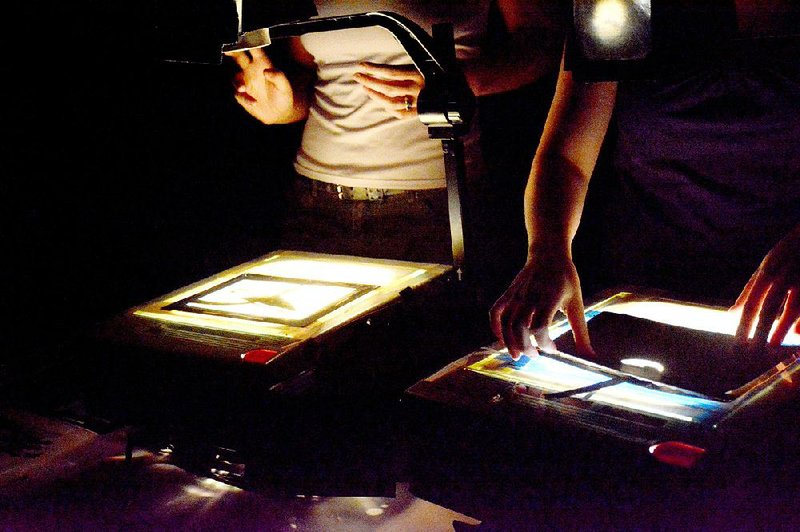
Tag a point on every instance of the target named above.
point(267, 307)
point(666, 372)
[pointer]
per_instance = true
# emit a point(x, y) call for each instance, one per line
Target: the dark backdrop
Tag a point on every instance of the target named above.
point(123, 177)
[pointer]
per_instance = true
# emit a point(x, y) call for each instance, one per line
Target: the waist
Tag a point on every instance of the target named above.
point(345, 193)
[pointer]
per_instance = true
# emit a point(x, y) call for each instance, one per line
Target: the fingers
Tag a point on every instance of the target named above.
point(251, 81)
point(247, 102)
point(516, 332)
point(395, 88)
point(790, 315)
point(514, 321)
point(260, 58)
point(399, 106)
point(745, 292)
point(248, 82)
point(530, 304)
point(510, 322)
point(770, 297)
point(771, 305)
point(279, 80)
point(391, 88)
point(496, 317)
point(256, 67)
point(767, 305)
point(254, 56)
point(543, 340)
point(238, 82)
point(540, 323)
point(393, 72)
point(580, 330)
point(750, 304)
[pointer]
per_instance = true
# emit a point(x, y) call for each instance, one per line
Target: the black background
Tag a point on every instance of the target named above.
point(123, 176)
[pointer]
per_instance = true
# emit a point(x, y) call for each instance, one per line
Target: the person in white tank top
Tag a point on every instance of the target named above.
point(357, 90)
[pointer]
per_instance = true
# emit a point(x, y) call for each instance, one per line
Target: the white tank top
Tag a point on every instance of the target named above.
point(351, 140)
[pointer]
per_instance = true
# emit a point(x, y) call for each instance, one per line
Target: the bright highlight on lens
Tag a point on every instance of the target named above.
point(609, 20)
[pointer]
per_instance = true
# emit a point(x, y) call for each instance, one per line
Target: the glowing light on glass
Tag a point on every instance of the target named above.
point(272, 299)
point(552, 375)
point(642, 363)
point(290, 294)
point(333, 270)
point(694, 317)
point(556, 373)
point(556, 376)
point(657, 402)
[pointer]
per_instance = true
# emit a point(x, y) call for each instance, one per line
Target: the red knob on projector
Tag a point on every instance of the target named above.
point(259, 356)
point(676, 453)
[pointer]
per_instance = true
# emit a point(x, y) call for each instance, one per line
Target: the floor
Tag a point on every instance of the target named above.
point(55, 474)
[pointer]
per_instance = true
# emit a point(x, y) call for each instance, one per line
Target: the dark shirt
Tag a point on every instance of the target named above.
point(706, 170)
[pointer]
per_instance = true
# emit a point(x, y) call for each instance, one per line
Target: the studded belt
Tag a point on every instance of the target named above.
point(352, 193)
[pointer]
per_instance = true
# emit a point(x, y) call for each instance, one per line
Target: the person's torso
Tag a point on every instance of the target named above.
point(349, 139)
point(708, 163)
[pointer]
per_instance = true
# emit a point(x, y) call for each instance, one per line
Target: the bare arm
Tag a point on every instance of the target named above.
point(535, 38)
point(571, 140)
point(532, 50)
point(554, 200)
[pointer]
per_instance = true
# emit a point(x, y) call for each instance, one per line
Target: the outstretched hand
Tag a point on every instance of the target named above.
point(261, 90)
point(772, 296)
point(395, 88)
point(544, 286)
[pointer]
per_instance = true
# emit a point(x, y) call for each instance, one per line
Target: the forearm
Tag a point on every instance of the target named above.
point(554, 201)
point(525, 57)
point(527, 47)
point(564, 162)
